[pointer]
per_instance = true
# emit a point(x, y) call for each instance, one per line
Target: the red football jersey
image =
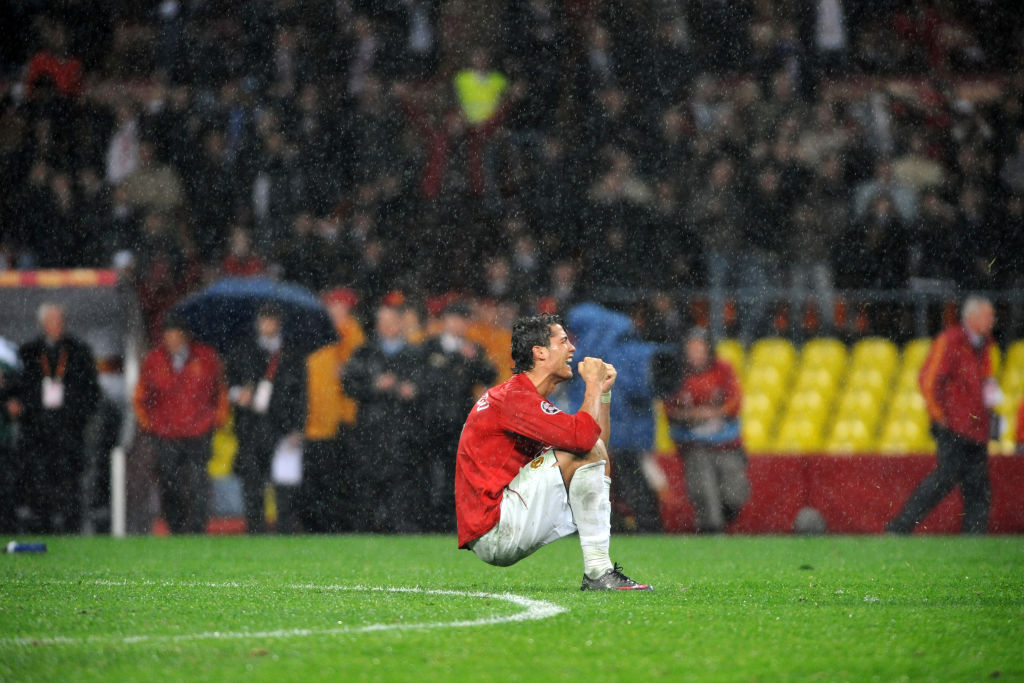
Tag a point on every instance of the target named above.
point(508, 427)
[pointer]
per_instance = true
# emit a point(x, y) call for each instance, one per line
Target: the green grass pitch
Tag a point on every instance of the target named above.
point(327, 608)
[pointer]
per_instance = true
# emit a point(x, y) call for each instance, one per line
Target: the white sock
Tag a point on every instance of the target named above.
point(590, 501)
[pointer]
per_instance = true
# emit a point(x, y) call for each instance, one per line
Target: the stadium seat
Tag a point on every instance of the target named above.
point(1015, 355)
point(875, 352)
point(820, 378)
point(775, 352)
point(755, 434)
point(824, 352)
point(902, 435)
point(757, 404)
point(915, 352)
point(849, 435)
point(1012, 381)
point(860, 404)
point(908, 404)
point(996, 356)
point(766, 379)
point(798, 434)
point(810, 403)
point(870, 378)
point(732, 351)
point(906, 378)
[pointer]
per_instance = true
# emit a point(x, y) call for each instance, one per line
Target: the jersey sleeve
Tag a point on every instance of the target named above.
point(532, 416)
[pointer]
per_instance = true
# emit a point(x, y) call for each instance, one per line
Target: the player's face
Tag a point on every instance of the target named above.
point(561, 352)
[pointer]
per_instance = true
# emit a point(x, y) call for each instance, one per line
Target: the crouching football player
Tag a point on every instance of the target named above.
point(526, 473)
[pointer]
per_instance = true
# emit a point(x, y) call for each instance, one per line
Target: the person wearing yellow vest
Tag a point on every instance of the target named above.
point(479, 89)
point(330, 418)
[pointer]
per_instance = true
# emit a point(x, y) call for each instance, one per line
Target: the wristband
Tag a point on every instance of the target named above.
point(606, 397)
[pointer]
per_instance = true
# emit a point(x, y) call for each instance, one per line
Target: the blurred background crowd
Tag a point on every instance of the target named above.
point(518, 150)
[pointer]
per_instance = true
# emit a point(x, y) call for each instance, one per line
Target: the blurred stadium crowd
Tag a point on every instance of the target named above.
point(517, 149)
point(524, 155)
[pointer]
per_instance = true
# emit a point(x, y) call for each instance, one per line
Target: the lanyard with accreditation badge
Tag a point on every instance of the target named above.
point(53, 382)
point(261, 398)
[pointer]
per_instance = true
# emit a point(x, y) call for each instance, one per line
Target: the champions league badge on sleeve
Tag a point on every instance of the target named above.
point(549, 408)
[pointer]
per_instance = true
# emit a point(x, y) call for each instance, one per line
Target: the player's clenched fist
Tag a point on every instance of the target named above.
point(593, 369)
point(609, 379)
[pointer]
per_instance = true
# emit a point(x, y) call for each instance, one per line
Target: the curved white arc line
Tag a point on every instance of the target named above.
point(534, 610)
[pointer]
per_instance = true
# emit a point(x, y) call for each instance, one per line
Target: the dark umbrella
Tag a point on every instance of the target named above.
point(225, 312)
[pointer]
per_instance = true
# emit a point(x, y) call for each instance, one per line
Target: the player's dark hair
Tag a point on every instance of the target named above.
point(534, 330)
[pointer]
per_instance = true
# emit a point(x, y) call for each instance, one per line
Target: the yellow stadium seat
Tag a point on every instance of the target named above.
point(774, 351)
point(870, 378)
point(849, 435)
point(859, 403)
point(875, 352)
point(755, 434)
point(1012, 381)
point(821, 379)
point(906, 380)
point(757, 403)
point(810, 403)
point(731, 351)
point(767, 379)
point(902, 435)
point(824, 352)
point(1015, 355)
point(908, 404)
point(798, 434)
point(915, 352)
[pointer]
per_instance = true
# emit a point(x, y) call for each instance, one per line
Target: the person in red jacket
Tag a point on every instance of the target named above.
point(180, 400)
point(704, 425)
point(526, 473)
point(959, 392)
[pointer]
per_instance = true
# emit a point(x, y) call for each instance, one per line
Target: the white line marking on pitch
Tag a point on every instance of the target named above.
point(534, 610)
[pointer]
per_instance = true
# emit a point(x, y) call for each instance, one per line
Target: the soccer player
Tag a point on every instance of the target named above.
point(527, 474)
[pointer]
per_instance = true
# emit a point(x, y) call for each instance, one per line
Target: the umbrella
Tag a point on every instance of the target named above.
point(225, 312)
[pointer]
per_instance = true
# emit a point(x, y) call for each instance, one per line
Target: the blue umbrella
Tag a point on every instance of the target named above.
point(225, 312)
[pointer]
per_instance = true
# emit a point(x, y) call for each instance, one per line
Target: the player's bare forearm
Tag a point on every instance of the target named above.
point(594, 372)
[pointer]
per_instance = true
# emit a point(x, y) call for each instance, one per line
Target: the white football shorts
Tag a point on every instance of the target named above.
point(534, 512)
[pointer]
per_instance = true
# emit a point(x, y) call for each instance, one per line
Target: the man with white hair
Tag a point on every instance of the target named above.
point(960, 393)
point(56, 395)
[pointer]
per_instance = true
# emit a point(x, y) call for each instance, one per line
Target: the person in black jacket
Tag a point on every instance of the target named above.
point(384, 378)
point(267, 377)
point(457, 371)
point(56, 395)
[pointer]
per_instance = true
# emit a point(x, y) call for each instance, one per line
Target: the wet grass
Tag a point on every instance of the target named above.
point(275, 608)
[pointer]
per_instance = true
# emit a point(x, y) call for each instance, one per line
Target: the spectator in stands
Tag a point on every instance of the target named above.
point(241, 261)
point(180, 400)
point(811, 236)
point(154, 185)
point(267, 376)
point(328, 472)
point(704, 418)
point(55, 63)
point(123, 148)
point(872, 254)
point(56, 395)
point(718, 216)
point(384, 376)
point(960, 393)
point(457, 371)
point(902, 197)
point(479, 88)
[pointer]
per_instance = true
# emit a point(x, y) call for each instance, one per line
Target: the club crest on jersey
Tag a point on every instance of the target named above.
point(483, 403)
point(549, 408)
